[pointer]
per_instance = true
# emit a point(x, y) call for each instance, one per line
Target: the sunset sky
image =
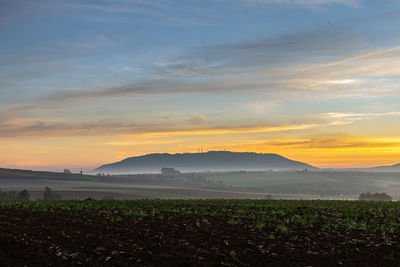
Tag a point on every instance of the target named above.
point(83, 83)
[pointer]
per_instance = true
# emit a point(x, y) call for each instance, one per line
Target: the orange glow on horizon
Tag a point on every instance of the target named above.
point(90, 152)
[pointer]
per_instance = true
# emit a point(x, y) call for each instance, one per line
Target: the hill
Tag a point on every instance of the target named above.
point(209, 161)
point(392, 168)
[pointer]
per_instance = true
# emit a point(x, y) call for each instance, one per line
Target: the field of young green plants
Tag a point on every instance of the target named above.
point(222, 232)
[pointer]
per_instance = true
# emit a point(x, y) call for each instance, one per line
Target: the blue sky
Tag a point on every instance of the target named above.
point(127, 77)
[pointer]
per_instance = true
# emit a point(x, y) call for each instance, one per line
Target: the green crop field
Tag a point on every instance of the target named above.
point(198, 232)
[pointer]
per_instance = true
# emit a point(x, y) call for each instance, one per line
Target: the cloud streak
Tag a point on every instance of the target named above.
point(361, 75)
point(196, 126)
point(144, 129)
point(350, 3)
point(337, 143)
point(304, 48)
point(115, 8)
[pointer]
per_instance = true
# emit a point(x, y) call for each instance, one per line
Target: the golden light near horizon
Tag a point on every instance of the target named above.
point(92, 152)
point(150, 78)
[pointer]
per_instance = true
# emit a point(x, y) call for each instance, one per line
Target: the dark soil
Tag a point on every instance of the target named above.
point(65, 238)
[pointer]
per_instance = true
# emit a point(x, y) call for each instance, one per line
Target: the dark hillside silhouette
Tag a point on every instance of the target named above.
point(392, 168)
point(210, 161)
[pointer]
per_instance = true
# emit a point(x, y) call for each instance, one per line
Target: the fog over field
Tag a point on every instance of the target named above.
point(295, 184)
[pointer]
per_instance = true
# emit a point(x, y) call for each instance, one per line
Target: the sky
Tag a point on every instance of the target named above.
point(84, 83)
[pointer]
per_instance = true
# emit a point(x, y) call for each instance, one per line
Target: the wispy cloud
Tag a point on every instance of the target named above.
point(366, 74)
point(161, 9)
point(151, 142)
point(151, 3)
point(351, 3)
point(325, 143)
point(112, 8)
point(305, 48)
point(15, 125)
point(182, 21)
point(363, 75)
point(26, 127)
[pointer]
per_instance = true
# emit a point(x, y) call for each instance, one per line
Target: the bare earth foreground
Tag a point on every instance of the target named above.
point(199, 232)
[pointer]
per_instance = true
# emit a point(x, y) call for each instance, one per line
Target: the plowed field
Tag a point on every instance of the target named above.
point(198, 233)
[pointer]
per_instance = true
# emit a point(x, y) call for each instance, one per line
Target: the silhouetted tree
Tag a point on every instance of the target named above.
point(170, 172)
point(376, 196)
point(7, 195)
point(48, 194)
point(23, 195)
